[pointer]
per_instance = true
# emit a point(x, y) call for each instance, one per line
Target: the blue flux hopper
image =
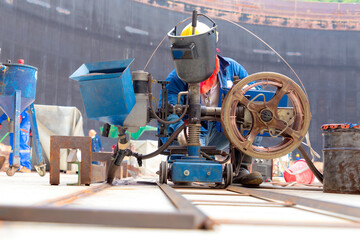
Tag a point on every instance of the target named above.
point(17, 92)
point(14, 78)
point(107, 90)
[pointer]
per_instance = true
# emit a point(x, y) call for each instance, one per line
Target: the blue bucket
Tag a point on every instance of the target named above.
point(17, 77)
point(107, 90)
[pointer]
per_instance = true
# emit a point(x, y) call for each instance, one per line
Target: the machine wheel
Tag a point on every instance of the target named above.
point(41, 170)
point(265, 116)
point(228, 174)
point(163, 172)
point(11, 171)
point(42, 173)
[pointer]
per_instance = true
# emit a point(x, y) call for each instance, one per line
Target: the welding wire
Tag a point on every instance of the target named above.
point(261, 40)
point(147, 63)
point(308, 144)
point(247, 30)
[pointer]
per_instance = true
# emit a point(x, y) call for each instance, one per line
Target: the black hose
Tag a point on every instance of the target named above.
point(163, 147)
point(313, 169)
point(210, 158)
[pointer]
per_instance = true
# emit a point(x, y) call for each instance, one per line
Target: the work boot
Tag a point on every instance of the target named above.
point(245, 178)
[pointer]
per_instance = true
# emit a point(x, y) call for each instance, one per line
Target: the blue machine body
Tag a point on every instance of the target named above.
point(17, 77)
point(192, 169)
point(107, 90)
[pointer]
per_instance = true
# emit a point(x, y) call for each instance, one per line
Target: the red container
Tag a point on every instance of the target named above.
point(304, 177)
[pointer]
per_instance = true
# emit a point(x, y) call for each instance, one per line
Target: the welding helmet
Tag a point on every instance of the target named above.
point(200, 28)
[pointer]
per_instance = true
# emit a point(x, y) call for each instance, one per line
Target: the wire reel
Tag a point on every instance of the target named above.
point(265, 115)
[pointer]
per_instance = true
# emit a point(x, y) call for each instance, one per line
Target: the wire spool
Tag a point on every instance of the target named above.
point(265, 115)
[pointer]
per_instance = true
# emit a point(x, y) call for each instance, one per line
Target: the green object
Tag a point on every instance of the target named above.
point(4, 137)
point(114, 131)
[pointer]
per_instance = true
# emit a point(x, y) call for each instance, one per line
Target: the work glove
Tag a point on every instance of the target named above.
point(182, 139)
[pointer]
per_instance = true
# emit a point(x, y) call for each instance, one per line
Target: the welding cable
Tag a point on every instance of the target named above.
point(313, 169)
point(163, 147)
point(153, 111)
point(208, 157)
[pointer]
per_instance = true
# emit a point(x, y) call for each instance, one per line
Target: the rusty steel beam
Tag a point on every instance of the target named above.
point(284, 223)
point(70, 142)
point(65, 200)
point(307, 202)
point(201, 221)
point(102, 157)
point(132, 219)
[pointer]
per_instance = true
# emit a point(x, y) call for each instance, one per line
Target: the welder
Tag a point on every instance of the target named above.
point(96, 145)
point(213, 91)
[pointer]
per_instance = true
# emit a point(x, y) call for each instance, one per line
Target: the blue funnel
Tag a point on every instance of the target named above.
point(17, 77)
point(107, 90)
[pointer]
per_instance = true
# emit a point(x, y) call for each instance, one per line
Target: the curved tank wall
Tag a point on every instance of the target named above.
point(58, 36)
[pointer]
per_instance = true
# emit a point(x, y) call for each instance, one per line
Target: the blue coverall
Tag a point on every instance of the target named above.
point(211, 132)
point(96, 145)
point(25, 159)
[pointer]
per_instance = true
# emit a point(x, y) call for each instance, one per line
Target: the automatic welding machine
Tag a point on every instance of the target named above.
point(279, 110)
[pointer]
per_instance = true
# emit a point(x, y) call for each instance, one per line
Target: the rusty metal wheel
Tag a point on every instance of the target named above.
point(228, 174)
point(11, 170)
point(265, 116)
point(163, 173)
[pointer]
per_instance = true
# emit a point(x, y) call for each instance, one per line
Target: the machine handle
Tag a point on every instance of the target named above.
point(194, 21)
point(214, 24)
point(173, 31)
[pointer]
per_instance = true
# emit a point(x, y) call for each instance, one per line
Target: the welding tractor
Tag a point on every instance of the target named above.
point(279, 111)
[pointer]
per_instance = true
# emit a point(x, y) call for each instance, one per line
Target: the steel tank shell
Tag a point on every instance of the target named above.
point(60, 38)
